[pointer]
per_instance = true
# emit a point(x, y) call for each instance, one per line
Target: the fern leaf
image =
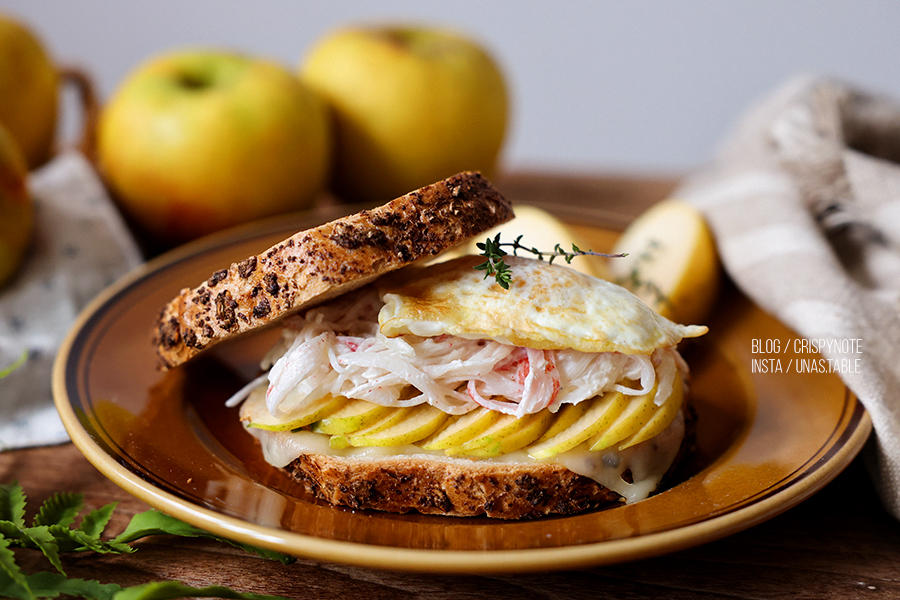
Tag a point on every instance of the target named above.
point(95, 522)
point(45, 541)
point(59, 509)
point(12, 575)
point(12, 504)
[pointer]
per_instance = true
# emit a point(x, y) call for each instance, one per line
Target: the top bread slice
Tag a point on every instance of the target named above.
point(321, 263)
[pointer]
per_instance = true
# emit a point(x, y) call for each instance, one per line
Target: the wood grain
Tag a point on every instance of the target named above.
point(838, 544)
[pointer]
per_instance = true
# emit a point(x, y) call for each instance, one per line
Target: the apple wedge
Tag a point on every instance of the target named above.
point(597, 418)
point(637, 413)
point(564, 418)
point(416, 423)
point(457, 432)
point(662, 416)
point(257, 415)
point(505, 436)
point(672, 263)
point(352, 416)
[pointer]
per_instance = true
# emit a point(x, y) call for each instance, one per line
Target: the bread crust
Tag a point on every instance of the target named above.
point(318, 264)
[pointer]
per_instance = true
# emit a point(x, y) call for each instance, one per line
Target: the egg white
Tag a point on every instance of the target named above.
point(546, 307)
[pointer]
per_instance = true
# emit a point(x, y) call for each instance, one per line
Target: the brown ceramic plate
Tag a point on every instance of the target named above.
point(766, 441)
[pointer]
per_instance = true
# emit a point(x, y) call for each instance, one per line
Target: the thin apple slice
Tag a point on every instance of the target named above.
point(457, 432)
point(416, 423)
point(599, 415)
point(353, 416)
point(389, 418)
point(502, 426)
point(514, 436)
point(662, 417)
point(637, 413)
point(564, 418)
point(255, 412)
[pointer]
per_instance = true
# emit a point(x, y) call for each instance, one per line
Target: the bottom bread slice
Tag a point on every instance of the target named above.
point(403, 484)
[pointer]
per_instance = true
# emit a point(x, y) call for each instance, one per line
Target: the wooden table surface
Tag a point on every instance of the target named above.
point(838, 544)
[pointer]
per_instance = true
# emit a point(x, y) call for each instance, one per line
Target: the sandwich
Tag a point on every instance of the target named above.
point(402, 382)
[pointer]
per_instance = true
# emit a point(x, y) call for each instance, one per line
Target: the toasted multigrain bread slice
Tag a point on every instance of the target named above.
point(461, 487)
point(453, 488)
point(324, 262)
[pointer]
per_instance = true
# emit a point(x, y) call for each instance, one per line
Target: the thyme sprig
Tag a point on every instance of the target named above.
point(499, 269)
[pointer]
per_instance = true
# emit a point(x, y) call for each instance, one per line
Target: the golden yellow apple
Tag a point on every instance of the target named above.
point(28, 91)
point(16, 216)
point(194, 141)
point(672, 263)
point(411, 105)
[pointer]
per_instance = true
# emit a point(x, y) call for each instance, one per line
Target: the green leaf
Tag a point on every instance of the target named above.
point(153, 522)
point(12, 504)
point(51, 585)
point(52, 534)
point(60, 509)
point(10, 531)
point(74, 540)
point(18, 363)
point(40, 537)
point(11, 575)
point(95, 522)
point(174, 589)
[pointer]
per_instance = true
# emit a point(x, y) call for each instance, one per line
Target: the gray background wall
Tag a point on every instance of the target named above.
point(608, 85)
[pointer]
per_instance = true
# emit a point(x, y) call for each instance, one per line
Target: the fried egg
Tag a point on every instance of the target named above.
point(548, 307)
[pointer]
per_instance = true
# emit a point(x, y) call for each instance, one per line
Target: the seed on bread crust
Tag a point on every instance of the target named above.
point(324, 262)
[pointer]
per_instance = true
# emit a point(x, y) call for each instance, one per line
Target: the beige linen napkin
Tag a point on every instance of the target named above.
point(80, 246)
point(804, 201)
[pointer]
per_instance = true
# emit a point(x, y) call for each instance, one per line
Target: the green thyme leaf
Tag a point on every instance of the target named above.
point(496, 267)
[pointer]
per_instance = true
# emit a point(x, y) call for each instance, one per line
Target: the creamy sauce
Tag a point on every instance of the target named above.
point(648, 461)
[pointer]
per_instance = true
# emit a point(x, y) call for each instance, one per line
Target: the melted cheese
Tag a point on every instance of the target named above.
point(546, 307)
point(648, 461)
